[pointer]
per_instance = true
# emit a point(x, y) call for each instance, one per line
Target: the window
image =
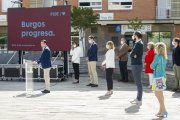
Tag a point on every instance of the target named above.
point(94, 4)
point(175, 11)
point(164, 37)
point(84, 4)
point(120, 4)
point(3, 41)
point(111, 29)
point(42, 3)
point(115, 40)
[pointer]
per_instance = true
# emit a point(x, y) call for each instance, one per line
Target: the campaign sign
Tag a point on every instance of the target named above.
point(28, 26)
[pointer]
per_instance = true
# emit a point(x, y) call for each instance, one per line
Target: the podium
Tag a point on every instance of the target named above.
point(29, 77)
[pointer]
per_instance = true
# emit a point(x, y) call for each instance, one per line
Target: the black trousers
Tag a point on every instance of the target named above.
point(123, 70)
point(76, 70)
point(109, 73)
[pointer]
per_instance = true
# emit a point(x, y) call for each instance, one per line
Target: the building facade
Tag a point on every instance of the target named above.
point(160, 18)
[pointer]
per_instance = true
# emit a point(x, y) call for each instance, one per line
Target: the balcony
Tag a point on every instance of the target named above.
point(162, 13)
point(168, 9)
point(42, 3)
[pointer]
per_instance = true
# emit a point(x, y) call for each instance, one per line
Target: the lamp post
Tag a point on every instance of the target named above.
point(66, 71)
point(20, 51)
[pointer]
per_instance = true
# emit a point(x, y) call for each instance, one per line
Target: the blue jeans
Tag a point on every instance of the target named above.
point(136, 71)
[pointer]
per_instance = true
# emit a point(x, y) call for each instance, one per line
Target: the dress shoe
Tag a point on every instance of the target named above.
point(109, 93)
point(94, 85)
point(150, 86)
point(45, 91)
point(174, 90)
point(136, 102)
point(125, 81)
point(178, 90)
point(76, 82)
point(120, 80)
point(89, 84)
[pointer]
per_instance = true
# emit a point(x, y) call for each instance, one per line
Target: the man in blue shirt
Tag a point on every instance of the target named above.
point(45, 61)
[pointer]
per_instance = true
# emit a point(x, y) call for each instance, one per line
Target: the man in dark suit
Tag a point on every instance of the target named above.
point(92, 59)
point(123, 58)
point(45, 61)
point(136, 62)
point(176, 63)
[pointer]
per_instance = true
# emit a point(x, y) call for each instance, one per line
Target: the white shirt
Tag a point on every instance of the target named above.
point(138, 40)
point(109, 59)
point(76, 55)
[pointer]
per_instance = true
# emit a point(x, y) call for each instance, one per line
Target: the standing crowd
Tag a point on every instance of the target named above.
point(155, 61)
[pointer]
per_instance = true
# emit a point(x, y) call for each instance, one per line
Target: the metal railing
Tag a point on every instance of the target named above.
point(162, 13)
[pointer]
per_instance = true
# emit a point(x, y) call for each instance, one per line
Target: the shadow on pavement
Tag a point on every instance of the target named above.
point(158, 118)
point(132, 109)
point(176, 95)
point(103, 97)
point(29, 96)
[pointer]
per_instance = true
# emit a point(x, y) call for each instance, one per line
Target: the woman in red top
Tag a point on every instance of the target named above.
point(149, 57)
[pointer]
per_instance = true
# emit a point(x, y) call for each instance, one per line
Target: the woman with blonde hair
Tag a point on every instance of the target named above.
point(109, 65)
point(159, 67)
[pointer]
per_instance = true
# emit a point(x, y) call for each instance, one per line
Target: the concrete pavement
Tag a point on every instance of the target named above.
point(79, 102)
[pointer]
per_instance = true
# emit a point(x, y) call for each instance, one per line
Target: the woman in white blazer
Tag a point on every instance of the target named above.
point(109, 65)
point(75, 53)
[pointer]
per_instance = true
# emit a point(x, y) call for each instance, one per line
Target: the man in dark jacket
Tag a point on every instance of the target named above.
point(136, 62)
point(176, 63)
point(123, 58)
point(92, 59)
point(45, 61)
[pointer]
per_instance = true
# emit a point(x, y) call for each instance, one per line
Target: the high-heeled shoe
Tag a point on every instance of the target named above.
point(164, 114)
point(158, 114)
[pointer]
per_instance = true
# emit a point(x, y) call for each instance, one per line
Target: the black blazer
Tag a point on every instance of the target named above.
point(138, 52)
point(176, 56)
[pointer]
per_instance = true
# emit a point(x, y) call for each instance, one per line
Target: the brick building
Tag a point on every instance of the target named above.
point(160, 18)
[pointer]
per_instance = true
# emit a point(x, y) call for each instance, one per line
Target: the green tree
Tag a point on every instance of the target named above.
point(81, 19)
point(135, 24)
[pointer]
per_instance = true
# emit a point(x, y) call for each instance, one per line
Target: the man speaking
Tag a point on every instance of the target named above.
point(45, 61)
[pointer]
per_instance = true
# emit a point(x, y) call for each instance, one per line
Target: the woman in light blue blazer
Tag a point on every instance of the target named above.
point(159, 67)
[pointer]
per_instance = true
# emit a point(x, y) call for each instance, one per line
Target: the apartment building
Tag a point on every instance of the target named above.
point(160, 18)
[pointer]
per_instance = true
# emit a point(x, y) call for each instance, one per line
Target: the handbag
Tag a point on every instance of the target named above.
point(159, 84)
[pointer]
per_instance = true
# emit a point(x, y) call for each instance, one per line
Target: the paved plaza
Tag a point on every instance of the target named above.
point(79, 102)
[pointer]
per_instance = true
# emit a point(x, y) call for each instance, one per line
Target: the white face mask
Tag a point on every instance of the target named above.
point(122, 42)
point(173, 43)
point(90, 42)
point(74, 46)
point(107, 46)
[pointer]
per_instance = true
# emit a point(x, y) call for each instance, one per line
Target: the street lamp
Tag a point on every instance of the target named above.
point(19, 2)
